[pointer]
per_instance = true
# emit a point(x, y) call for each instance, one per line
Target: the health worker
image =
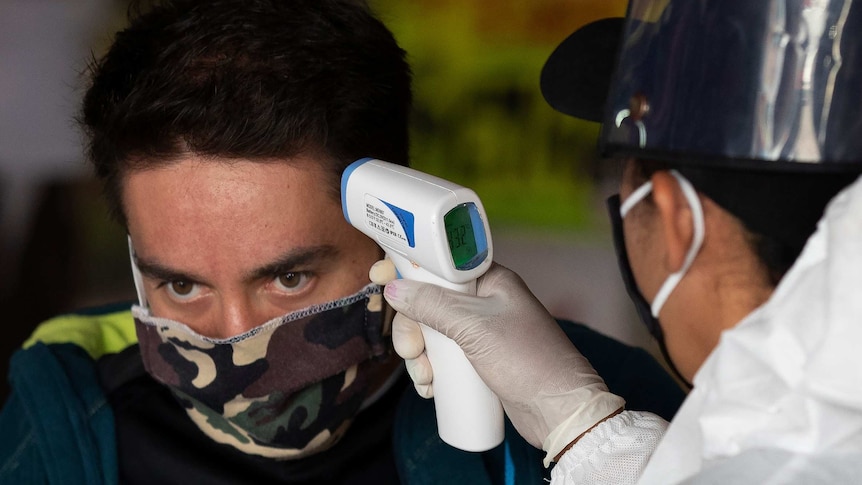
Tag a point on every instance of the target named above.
point(739, 233)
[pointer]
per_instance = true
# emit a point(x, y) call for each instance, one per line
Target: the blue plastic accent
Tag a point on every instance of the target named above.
point(509, 474)
point(345, 176)
point(407, 222)
point(481, 238)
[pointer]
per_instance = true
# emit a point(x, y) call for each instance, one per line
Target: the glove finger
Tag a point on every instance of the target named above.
point(419, 370)
point(407, 337)
point(382, 272)
point(447, 311)
point(501, 280)
point(425, 391)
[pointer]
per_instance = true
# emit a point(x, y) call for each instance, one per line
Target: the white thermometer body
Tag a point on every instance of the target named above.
point(434, 231)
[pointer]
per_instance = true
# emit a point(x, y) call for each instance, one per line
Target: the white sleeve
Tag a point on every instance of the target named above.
point(614, 452)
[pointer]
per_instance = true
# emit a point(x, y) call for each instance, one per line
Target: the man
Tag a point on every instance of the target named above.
point(736, 123)
point(258, 351)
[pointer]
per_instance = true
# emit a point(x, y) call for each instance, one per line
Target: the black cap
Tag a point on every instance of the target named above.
point(577, 76)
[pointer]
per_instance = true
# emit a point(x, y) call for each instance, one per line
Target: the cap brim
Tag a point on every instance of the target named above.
point(576, 77)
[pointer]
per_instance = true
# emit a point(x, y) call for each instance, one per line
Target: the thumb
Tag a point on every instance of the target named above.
point(447, 311)
point(382, 272)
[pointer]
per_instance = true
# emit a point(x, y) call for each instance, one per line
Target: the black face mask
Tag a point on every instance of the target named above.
point(642, 306)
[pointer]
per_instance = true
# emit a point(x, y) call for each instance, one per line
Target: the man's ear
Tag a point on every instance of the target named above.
point(675, 217)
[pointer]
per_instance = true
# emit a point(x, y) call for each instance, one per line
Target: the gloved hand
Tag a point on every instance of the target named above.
point(548, 389)
point(407, 339)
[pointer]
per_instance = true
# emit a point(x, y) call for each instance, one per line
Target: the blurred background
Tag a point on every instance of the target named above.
point(479, 120)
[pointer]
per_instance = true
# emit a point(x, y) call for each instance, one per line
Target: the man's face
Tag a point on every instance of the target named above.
point(224, 246)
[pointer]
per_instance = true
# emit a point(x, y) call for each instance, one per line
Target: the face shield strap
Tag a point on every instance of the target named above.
point(136, 275)
point(697, 240)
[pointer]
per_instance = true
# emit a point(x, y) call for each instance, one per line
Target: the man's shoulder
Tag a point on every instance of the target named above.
point(628, 371)
point(58, 424)
point(98, 331)
point(598, 347)
point(580, 332)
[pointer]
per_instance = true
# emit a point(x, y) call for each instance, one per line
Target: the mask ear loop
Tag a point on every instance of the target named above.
point(633, 199)
point(136, 275)
point(697, 241)
point(699, 229)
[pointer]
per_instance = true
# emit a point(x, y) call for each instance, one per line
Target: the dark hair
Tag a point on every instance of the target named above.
point(779, 209)
point(251, 79)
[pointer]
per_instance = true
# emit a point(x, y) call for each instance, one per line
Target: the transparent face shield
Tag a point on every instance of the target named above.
point(739, 83)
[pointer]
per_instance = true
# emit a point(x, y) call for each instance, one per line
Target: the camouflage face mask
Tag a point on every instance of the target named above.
point(286, 389)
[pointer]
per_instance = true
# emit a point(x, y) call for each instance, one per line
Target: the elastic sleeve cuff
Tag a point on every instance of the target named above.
point(599, 406)
point(615, 451)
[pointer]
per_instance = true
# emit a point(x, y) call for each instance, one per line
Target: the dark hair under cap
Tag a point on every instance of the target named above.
point(780, 209)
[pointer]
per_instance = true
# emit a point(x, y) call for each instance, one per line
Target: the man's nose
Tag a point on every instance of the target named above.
point(237, 316)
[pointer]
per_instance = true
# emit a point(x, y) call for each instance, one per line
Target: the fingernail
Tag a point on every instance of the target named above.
point(425, 391)
point(391, 291)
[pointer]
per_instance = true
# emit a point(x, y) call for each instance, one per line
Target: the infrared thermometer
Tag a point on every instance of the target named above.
point(436, 232)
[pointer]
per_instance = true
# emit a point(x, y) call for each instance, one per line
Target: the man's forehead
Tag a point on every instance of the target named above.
point(322, 170)
point(194, 178)
point(241, 207)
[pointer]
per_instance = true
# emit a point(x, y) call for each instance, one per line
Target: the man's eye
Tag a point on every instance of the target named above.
point(291, 282)
point(183, 290)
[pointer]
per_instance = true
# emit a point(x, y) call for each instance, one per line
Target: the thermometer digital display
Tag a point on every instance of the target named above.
point(434, 231)
point(466, 235)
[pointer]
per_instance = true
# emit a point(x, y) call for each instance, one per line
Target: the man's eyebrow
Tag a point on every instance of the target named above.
point(158, 271)
point(294, 259)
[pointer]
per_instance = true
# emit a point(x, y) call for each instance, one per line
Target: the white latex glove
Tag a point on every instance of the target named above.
point(548, 389)
point(407, 337)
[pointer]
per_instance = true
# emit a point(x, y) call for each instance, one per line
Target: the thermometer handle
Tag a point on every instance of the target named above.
point(469, 414)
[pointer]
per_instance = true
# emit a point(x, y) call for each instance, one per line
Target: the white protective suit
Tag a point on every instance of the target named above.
point(780, 398)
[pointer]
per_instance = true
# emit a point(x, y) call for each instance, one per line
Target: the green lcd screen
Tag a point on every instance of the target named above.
point(466, 236)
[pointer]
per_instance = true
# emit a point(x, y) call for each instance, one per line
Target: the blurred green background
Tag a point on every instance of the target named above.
point(480, 119)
